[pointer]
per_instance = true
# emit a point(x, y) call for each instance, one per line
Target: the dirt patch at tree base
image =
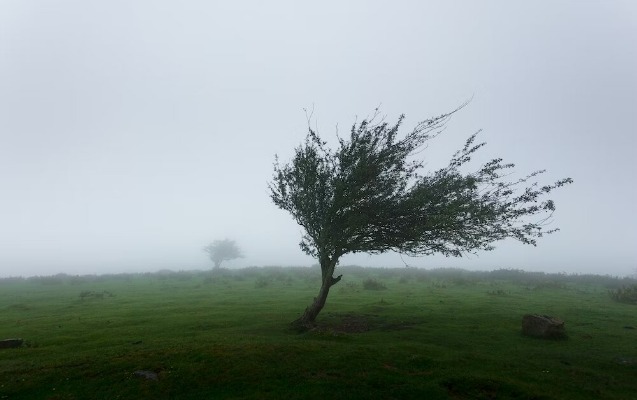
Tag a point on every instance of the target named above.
point(352, 323)
point(482, 388)
point(360, 323)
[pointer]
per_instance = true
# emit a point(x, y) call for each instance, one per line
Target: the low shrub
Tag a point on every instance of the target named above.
point(349, 287)
point(624, 294)
point(373, 284)
point(261, 282)
point(95, 295)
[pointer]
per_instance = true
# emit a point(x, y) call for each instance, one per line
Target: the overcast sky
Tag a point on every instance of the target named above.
point(133, 133)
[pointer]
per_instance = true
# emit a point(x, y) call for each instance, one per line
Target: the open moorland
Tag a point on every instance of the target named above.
point(384, 334)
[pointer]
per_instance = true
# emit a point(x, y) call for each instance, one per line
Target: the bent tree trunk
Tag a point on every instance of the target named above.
point(307, 320)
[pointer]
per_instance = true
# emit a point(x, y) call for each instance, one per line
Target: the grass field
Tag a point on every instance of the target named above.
point(436, 334)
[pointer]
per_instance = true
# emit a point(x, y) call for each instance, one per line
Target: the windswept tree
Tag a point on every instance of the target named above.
point(369, 195)
point(222, 250)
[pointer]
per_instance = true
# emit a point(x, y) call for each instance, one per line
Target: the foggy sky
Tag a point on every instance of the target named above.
point(133, 133)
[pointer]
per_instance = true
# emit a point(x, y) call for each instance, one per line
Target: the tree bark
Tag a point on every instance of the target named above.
point(307, 320)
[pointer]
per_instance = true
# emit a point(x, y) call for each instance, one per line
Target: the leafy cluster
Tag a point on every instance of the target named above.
point(368, 195)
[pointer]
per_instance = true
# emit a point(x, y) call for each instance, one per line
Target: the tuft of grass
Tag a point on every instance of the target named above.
point(261, 282)
point(87, 294)
point(373, 284)
point(624, 294)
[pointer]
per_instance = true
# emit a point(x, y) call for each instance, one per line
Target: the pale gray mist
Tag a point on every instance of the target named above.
point(133, 133)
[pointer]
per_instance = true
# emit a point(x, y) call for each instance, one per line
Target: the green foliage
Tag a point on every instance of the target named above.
point(368, 195)
point(625, 294)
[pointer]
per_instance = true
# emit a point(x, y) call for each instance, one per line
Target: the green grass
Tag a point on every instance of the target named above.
point(430, 334)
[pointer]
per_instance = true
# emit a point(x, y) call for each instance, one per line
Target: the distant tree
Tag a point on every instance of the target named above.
point(222, 250)
point(368, 195)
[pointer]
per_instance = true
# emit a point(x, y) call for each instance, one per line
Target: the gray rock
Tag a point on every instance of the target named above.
point(10, 343)
point(625, 360)
point(543, 326)
point(150, 375)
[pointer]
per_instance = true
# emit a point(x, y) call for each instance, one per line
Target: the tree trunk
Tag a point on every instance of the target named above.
point(306, 321)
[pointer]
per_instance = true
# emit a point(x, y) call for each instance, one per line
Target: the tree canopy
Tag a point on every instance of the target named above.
point(369, 195)
point(222, 250)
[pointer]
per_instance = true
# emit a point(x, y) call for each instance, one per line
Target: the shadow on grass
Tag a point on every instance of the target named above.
point(346, 323)
point(486, 388)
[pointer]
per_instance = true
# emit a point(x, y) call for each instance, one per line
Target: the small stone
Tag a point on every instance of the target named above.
point(543, 326)
point(150, 375)
point(625, 360)
point(10, 343)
